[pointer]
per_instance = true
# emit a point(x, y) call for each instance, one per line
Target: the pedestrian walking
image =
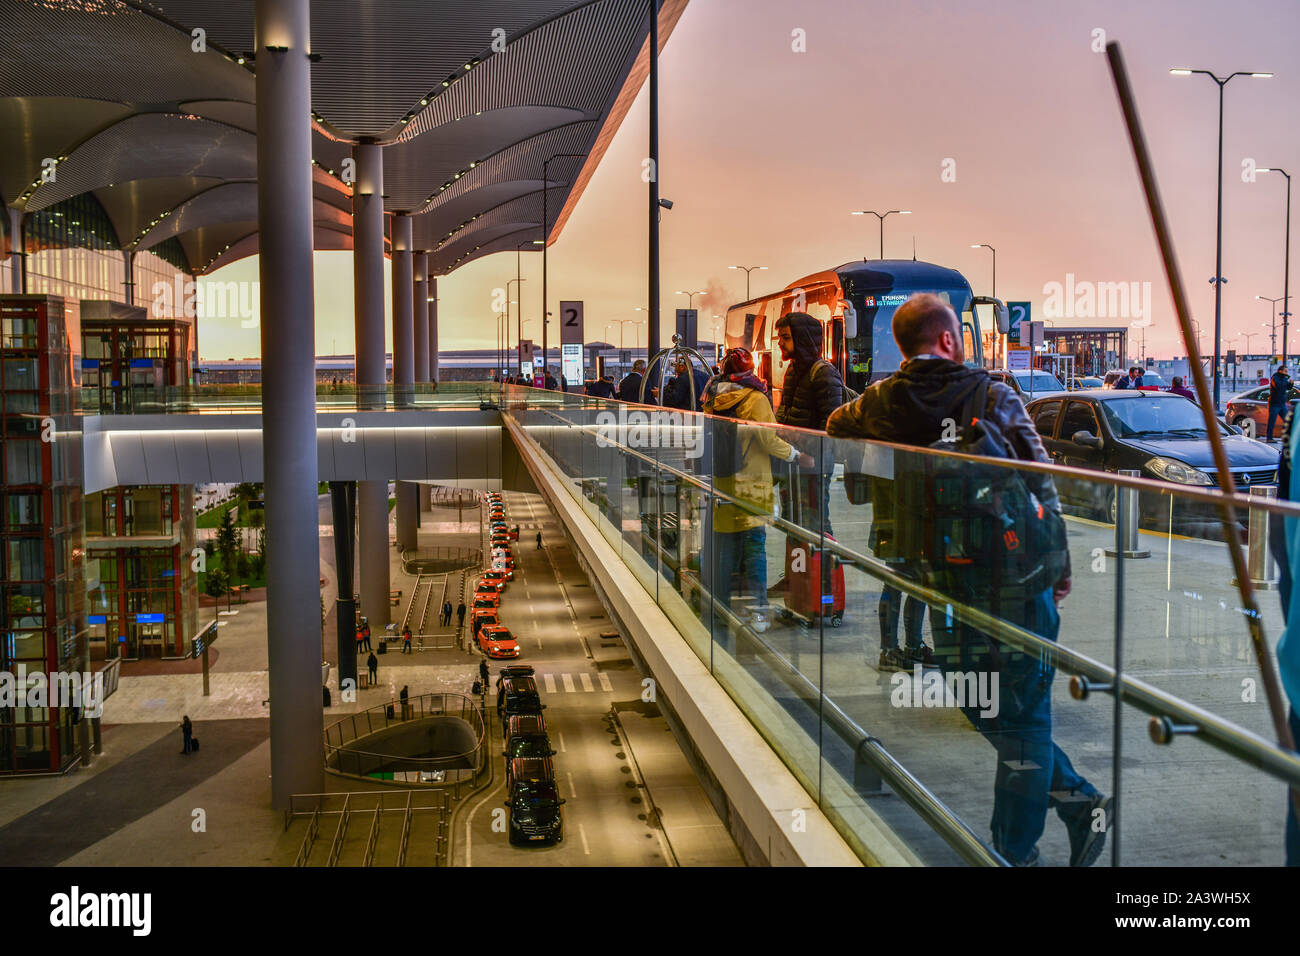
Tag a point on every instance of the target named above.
point(460, 614)
point(1279, 391)
point(539, 541)
point(365, 634)
point(446, 614)
point(372, 665)
point(187, 734)
point(406, 640)
point(404, 697)
point(483, 672)
point(911, 407)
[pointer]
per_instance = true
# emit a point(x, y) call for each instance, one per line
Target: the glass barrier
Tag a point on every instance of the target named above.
point(226, 399)
point(891, 620)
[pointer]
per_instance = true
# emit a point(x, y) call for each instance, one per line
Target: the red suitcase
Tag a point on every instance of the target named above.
point(804, 596)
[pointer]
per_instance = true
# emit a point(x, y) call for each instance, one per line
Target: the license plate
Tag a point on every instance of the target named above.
point(538, 837)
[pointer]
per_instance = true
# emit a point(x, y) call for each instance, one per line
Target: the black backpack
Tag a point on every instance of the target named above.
point(727, 455)
point(977, 533)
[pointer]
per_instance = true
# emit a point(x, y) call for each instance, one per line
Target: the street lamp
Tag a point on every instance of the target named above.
point(748, 270)
point(519, 325)
point(690, 296)
point(519, 317)
point(1273, 350)
point(1218, 228)
point(1286, 264)
point(881, 216)
point(985, 245)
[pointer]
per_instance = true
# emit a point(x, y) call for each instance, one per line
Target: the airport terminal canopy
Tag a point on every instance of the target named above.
point(149, 105)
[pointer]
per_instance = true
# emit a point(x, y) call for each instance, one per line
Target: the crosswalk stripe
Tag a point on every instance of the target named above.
point(605, 685)
point(550, 683)
point(568, 683)
point(586, 682)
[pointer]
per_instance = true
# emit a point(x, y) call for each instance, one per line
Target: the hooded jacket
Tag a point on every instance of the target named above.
point(677, 394)
point(752, 482)
point(808, 396)
point(910, 408)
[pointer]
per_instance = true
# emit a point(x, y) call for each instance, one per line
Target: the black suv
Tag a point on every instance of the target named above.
point(534, 802)
point(526, 737)
point(517, 696)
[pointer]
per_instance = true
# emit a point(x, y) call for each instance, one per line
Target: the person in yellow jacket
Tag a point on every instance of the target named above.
point(742, 469)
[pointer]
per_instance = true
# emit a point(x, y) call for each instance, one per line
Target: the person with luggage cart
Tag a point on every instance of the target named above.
point(742, 469)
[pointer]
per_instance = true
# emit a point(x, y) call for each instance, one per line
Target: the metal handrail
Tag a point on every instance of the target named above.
point(1232, 739)
point(406, 832)
point(340, 833)
point(421, 763)
point(372, 840)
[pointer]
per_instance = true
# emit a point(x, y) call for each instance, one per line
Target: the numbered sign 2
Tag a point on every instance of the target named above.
point(571, 328)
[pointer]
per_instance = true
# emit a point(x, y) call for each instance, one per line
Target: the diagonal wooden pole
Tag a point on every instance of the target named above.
point(1227, 512)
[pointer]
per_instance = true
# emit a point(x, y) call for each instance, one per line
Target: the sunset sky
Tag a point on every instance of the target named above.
point(765, 151)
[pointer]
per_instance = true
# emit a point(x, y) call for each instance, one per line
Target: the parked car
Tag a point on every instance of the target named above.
point(1162, 436)
point(496, 641)
point(498, 576)
point(1079, 383)
point(1029, 383)
point(1249, 411)
point(534, 802)
point(517, 695)
point(488, 586)
point(526, 737)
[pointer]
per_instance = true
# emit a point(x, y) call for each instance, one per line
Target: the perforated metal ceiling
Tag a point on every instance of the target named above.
point(140, 109)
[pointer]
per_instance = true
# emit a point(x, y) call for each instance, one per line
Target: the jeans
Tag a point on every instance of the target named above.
point(913, 614)
point(189, 742)
point(742, 554)
point(1033, 773)
point(1278, 412)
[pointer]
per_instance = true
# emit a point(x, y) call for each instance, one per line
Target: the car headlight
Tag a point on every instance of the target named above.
point(1177, 471)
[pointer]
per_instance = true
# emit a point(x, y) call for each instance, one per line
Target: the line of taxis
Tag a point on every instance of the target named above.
point(494, 638)
point(532, 799)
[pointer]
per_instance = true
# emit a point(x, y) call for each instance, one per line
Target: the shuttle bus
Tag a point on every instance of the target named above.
point(855, 304)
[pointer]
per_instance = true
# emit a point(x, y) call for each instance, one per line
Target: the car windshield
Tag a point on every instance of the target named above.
point(1171, 416)
point(1041, 381)
point(500, 635)
point(537, 795)
point(1150, 378)
point(532, 746)
point(482, 603)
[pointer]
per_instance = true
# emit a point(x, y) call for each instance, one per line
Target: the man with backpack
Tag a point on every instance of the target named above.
point(942, 503)
point(742, 469)
point(1279, 388)
point(811, 390)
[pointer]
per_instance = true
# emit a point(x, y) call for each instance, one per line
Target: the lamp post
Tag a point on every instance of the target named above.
point(881, 216)
point(519, 318)
point(985, 245)
point(1286, 259)
point(1273, 348)
point(1218, 279)
point(546, 237)
point(748, 270)
point(690, 296)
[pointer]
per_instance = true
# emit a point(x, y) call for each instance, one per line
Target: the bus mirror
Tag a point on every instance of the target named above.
point(850, 319)
point(1001, 315)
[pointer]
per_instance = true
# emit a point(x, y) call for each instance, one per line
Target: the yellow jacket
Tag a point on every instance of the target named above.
point(752, 482)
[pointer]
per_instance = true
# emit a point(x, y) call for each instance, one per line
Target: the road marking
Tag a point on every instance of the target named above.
point(605, 685)
point(539, 643)
point(568, 683)
point(586, 682)
point(550, 683)
point(573, 791)
point(560, 737)
point(582, 835)
point(469, 820)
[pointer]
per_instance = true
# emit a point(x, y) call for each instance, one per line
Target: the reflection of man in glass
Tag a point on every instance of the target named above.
point(930, 393)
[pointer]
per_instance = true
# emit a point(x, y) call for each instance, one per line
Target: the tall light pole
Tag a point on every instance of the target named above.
point(690, 296)
point(881, 216)
point(1218, 279)
point(1273, 350)
point(748, 270)
point(1286, 258)
point(985, 245)
point(546, 237)
point(519, 317)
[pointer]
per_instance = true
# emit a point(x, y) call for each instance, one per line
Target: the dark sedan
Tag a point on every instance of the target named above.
point(1159, 435)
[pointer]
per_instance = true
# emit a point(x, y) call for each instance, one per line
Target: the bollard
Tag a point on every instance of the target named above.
point(1126, 527)
point(1260, 565)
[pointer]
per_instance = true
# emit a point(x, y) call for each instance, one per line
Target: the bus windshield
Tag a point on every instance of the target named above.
point(874, 354)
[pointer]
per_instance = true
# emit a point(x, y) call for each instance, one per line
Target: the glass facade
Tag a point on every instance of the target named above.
point(73, 251)
point(42, 591)
point(140, 584)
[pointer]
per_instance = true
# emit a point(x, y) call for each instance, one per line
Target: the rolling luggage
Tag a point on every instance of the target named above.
point(807, 594)
point(383, 648)
point(194, 744)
